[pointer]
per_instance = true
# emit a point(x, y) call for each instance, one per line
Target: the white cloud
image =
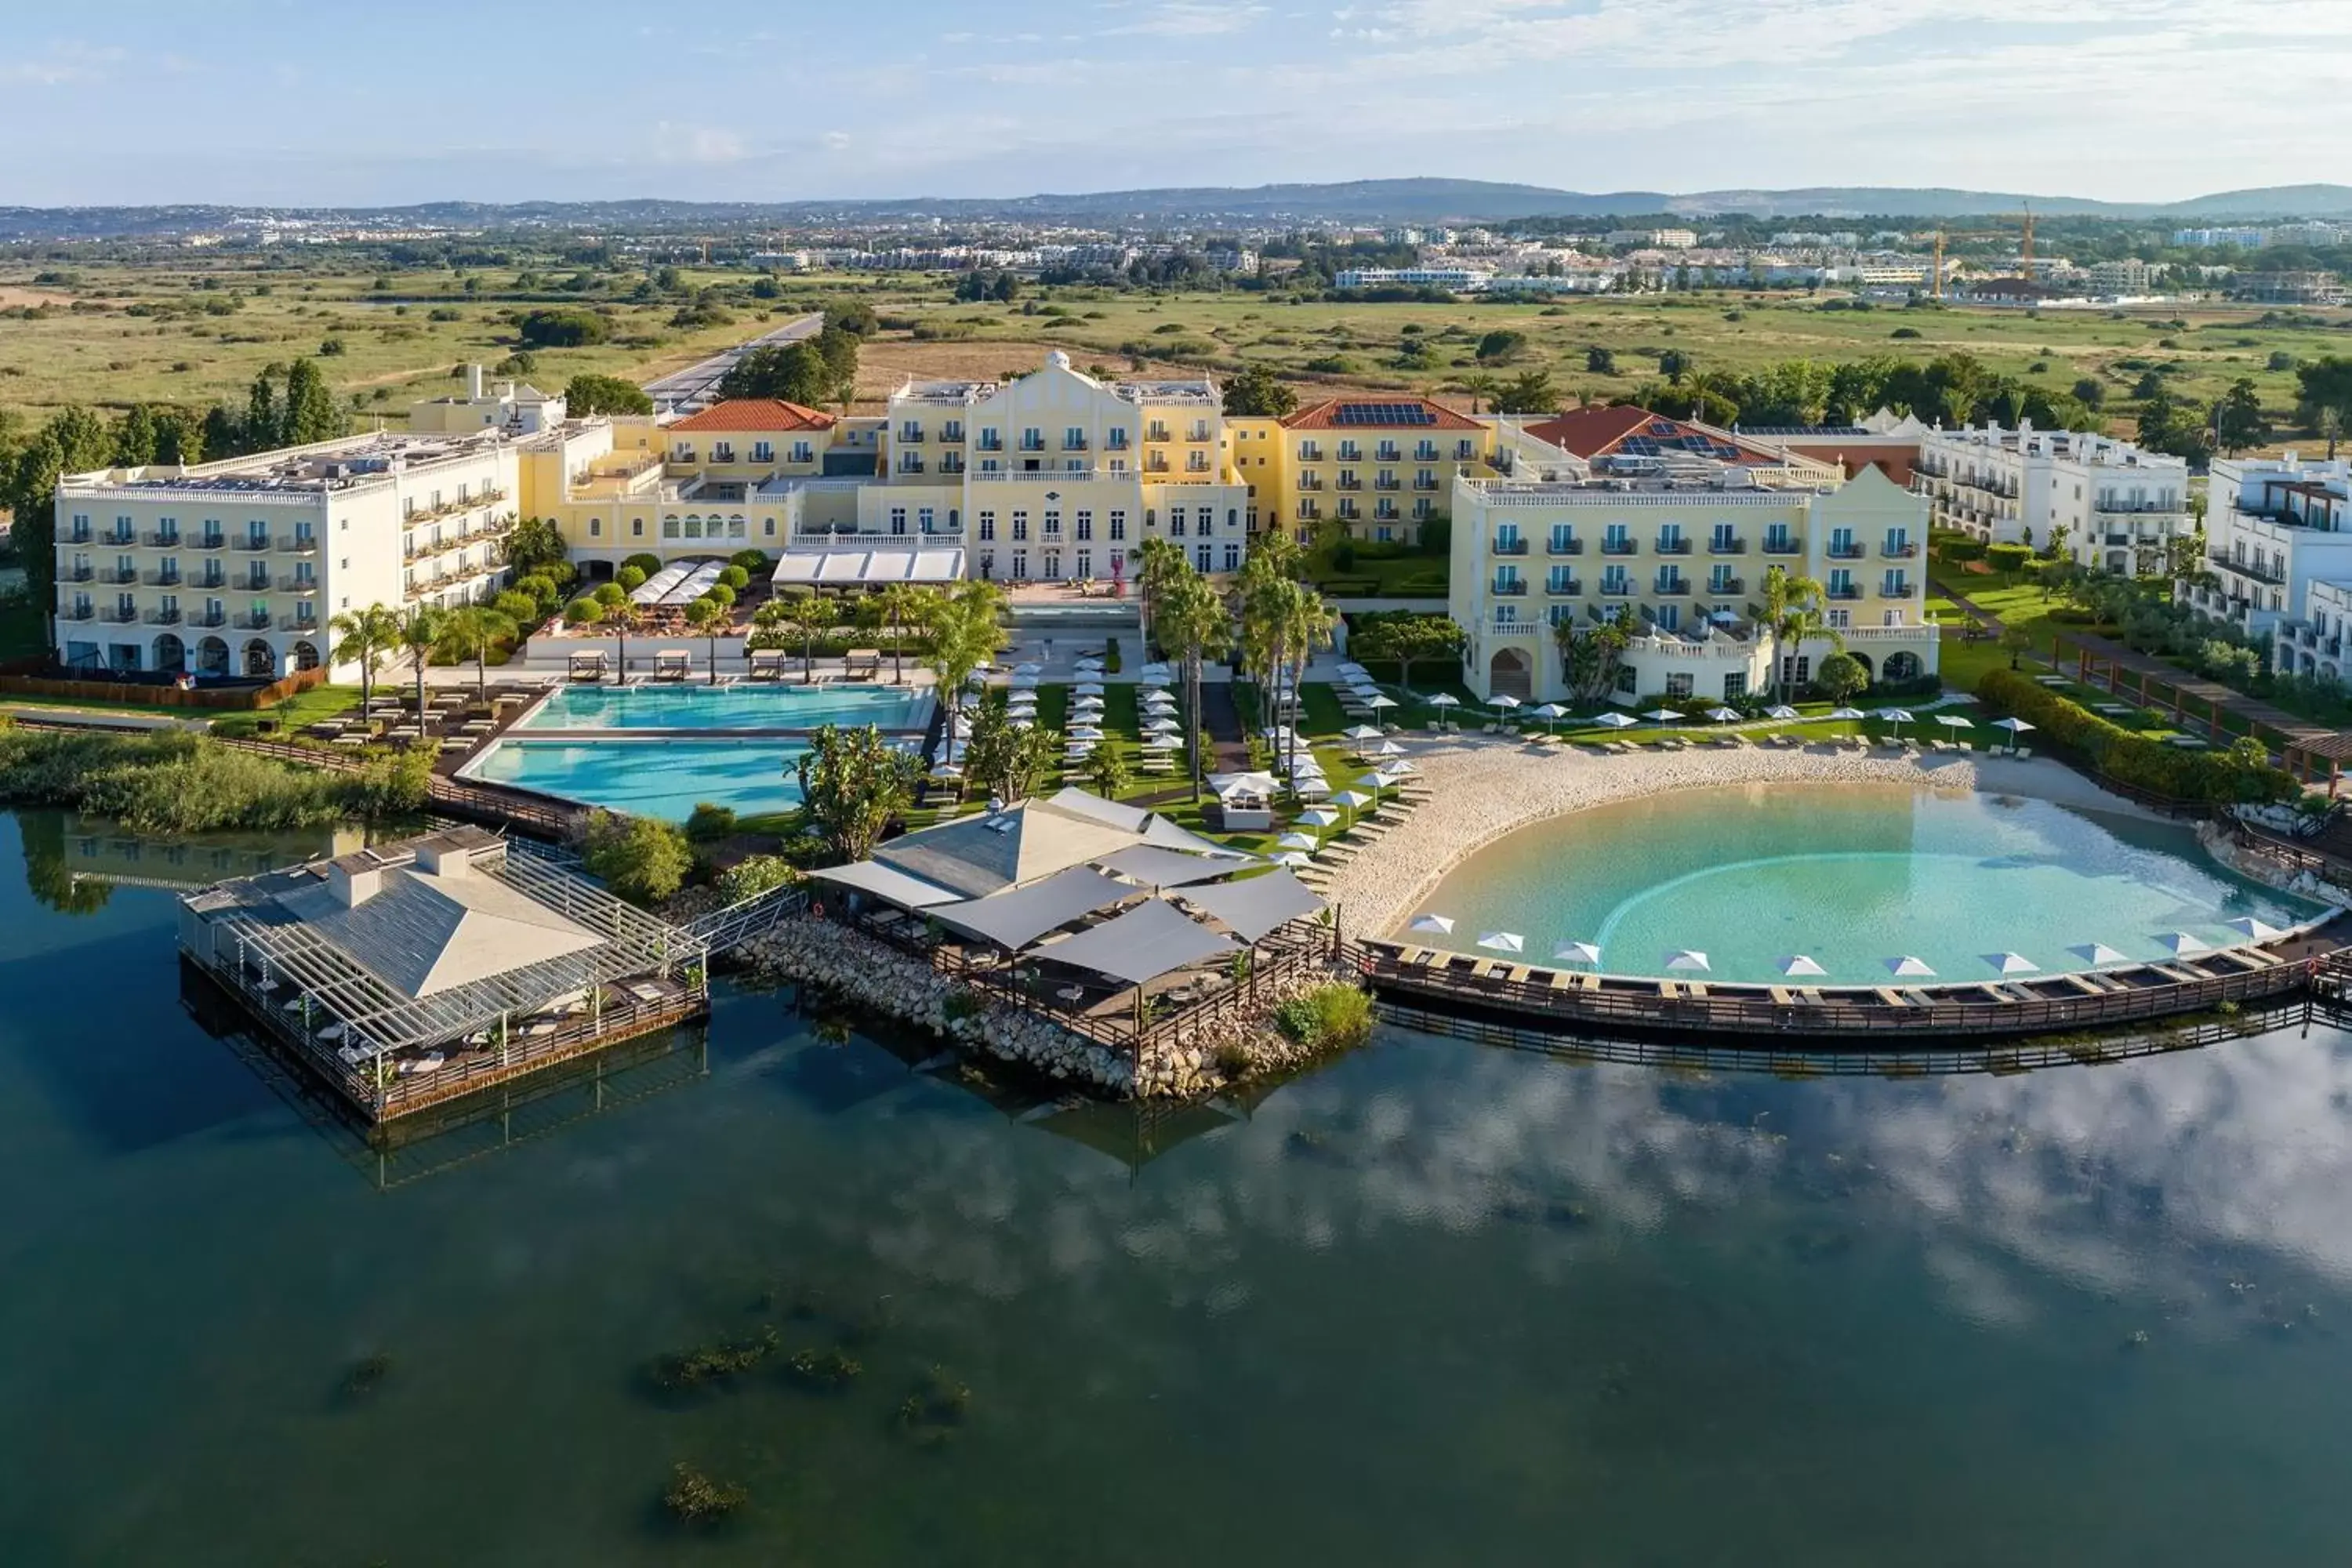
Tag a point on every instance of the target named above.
point(1191, 19)
point(63, 64)
point(675, 143)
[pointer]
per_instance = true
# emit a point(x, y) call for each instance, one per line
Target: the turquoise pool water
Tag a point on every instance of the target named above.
point(650, 778)
point(761, 706)
point(1849, 875)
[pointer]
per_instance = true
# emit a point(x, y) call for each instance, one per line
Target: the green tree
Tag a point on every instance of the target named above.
point(639, 859)
point(1256, 391)
point(1195, 624)
point(620, 616)
point(419, 634)
point(312, 412)
point(903, 605)
point(1481, 389)
point(2238, 421)
point(1588, 656)
point(2323, 386)
point(1792, 613)
point(1501, 346)
point(2166, 427)
point(471, 631)
point(363, 637)
point(588, 393)
point(74, 441)
point(1406, 637)
point(1106, 773)
point(1674, 365)
point(706, 615)
point(561, 327)
point(1530, 392)
point(1158, 562)
point(2016, 642)
point(812, 617)
point(1841, 677)
point(1003, 758)
point(795, 373)
point(136, 437)
point(1599, 361)
point(853, 782)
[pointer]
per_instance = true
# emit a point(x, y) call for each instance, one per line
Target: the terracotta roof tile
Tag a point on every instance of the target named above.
point(1367, 415)
point(757, 414)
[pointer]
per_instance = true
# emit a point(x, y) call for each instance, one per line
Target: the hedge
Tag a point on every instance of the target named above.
point(2127, 758)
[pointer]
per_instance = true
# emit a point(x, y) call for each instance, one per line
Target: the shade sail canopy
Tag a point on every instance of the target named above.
point(1019, 917)
point(978, 856)
point(1165, 835)
point(1127, 818)
point(857, 566)
point(1780, 710)
point(890, 885)
point(2253, 929)
point(1250, 908)
point(1149, 941)
point(1156, 867)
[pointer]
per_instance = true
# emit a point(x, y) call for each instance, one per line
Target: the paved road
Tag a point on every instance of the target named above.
point(691, 389)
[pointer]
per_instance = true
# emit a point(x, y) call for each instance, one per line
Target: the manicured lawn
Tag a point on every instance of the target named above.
point(308, 708)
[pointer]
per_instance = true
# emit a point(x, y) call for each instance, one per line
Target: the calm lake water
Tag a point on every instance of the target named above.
point(1434, 1304)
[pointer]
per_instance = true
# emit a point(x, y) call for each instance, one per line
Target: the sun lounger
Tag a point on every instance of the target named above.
point(1994, 993)
point(1483, 969)
point(1892, 997)
point(1561, 980)
point(1588, 983)
point(2085, 983)
point(2176, 973)
point(1670, 990)
point(1812, 995)
point(1518, 974)
point(1783, 995)
point(1695, 990)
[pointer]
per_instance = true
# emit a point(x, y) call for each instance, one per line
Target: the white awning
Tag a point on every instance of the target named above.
point(1251, 908)
point(1019, 916)
point(1150, 939)
point(853, 567)
point(890, 886)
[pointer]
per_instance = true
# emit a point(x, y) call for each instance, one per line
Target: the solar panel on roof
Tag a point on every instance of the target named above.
point(1664, 427)
point(1390, 414)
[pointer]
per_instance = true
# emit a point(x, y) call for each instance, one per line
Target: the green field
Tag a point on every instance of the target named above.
point(114, 333)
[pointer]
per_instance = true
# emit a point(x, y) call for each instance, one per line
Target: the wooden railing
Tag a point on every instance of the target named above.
point(1840, 1013)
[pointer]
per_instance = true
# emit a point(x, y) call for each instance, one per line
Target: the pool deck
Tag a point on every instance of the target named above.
point(650, 735)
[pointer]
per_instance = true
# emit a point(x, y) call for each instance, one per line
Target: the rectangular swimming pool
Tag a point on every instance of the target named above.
point(650, 777)
point(741, 707)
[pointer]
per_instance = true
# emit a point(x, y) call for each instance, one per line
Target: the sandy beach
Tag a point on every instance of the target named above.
point(1481, 789)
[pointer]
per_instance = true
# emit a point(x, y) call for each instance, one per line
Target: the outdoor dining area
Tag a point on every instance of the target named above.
point(1109, 918)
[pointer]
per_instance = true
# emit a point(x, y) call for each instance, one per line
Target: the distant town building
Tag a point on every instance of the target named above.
point(1653, 238)
point(1460, 280)
point(2207, 238)
point(2128, 276)
point(2118, 503)
point(2287, 288)
point(2278, 529)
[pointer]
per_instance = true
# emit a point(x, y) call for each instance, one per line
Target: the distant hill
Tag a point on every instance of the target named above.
point(1354, 200)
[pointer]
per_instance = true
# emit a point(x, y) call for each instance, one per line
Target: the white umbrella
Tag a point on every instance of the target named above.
point(1504, 700)
point(1023, 683)
point(1087, 666)
point(1394, 773)
point(1298, 841)
point(1162, 726)
point(1292, 857)
point(1797, 963)
point(1365, 732)
point(1780, 710)
point(2015, 727)
point(1685, 958)
point(1503, 941)
point(1088, 688)
point(1550, 713)
point(1445, 699)
point(2012, 963)
point(1663, 716)
point(2253, 929)
point(1162, 743)
point(1955, 721)
point(1895, 716)
point(1320, 817)
point(1725, 715)
point(1843, 713)
point(1908, 967)
point(1375, 782)
point(1026, 668)
point(2180, 944)
point(1349, 667)
point(2096, 953)
point(1083, 733)
point(1354, 800)
point(1275, 733)
point(1310, 788)
point(1577, 953)
point(1377, 702)
point(1441, 924)
point(1615, 720)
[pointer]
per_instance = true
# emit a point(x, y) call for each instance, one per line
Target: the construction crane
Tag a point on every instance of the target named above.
point(2025, 246)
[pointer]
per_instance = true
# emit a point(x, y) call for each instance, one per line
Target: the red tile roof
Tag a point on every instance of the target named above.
point(1598, 432)
point(757, 414)
point(1326, 416)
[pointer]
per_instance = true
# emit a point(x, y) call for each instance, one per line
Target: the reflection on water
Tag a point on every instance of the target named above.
point(1434, 1303)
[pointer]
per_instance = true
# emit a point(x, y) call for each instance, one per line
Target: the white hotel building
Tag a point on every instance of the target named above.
point(2278, 538)
point(236, 567)
point(2118, 504)
point(1685, 555)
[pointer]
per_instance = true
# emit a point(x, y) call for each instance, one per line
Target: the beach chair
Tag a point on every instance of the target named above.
point(1783, 995)
point(1892, 997)
point(1560, 979)
point(2085, 983)
point(1671, 990)
point(1519, 974)
point(1695, 990)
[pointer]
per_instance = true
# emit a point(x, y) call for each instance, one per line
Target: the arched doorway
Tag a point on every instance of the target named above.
point(212, 657)
point(1508, 675)
point(261, 661)
point(1901, 666)
point(171, 653)
point(305, 657)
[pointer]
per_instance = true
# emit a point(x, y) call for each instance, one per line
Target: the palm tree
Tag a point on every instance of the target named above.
point(420, 634)
point(901, 604)
point(1480, 388)
point(1157, 563)
point(1792, 612)
point(964, 633)
point(706, 615)
point(812, 617)
point(1309, 623)
point(363, 638)
point(622, 615)
point(1196, 621)
point(468, 632)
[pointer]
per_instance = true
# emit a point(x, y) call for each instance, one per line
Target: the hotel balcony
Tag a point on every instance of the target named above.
point(1726, 547)
point(1515, 588)
point(121, 539)
point(1610, 589)
point(1668, 545)
point(78, 613)
point(209, 541)
point(1846, 591)
point(1566, 587)
point(118, 614)
point(1728, 586)
point(117, 575)
point(159, 541)
point(1078, 445)
point(263, 542)
point(161, 578)
point(78, 574)
point(1896, 590)
point(2254, 569)
point(1618, 547)
point(252, 622)
point(1420, 484)
point(302, 545)
point(213, 619)
point(297, 585)
point(1510, 547)
point(1845, 551)
point(1346, 483)
point(1784, 547)
point(163, 617)
point(1564, 547)
point(1905, 552)
point(1388, 484)
point(77, 536)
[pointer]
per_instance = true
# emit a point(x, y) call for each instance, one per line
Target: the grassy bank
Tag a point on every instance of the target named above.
point(178, 783)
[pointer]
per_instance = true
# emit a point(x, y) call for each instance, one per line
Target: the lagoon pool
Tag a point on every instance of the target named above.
point(1850, 876)
point(740, 707)
point(661, 778)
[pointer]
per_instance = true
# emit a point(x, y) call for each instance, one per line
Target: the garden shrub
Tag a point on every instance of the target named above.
point(2130, 759)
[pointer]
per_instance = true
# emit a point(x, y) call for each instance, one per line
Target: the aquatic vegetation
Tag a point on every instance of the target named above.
point(1329, 1017)
point(367, 1375)
point(693, 1498)
point(828, 1371)
point(713, 1363)
point(936, 1410)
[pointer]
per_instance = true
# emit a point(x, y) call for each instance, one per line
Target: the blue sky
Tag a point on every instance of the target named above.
point(328, 102)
